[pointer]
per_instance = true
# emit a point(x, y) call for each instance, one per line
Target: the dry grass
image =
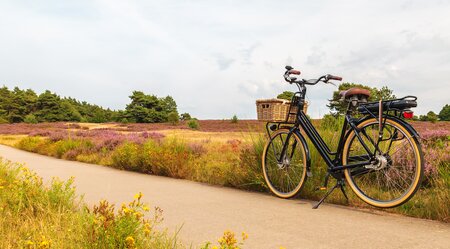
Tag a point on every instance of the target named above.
point(11, 140)
point(197, 136)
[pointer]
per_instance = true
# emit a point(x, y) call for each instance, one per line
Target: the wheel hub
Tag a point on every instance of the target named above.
point(284, 163)
point(380, 163)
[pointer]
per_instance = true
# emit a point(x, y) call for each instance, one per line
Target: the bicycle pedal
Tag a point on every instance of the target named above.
point(320, 188)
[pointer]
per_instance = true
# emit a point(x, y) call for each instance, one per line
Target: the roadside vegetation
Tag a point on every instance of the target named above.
point(37, 215)
point(227, 162)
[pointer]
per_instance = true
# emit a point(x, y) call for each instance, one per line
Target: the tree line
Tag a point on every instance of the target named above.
point(19, 105)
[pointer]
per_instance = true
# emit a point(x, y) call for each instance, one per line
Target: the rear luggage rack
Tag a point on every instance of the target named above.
point(389, 105)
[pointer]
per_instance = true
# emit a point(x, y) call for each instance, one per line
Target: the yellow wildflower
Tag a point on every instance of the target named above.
point(44, 243)
point(129, 241)
point(29, 243)
point(138, 196)
point(244, 236)
point(228, 239)
point(146, 208)
point(138, 215)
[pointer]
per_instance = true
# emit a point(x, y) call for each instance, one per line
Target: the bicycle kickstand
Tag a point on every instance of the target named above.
point(340, 184)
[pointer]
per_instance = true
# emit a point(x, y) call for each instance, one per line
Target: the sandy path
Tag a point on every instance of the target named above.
point(206, 211)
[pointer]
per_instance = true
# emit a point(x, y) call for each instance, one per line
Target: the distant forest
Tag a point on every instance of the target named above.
point(19, 105)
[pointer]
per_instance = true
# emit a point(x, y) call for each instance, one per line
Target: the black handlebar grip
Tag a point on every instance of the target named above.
point(292, 71)
point(332, 77)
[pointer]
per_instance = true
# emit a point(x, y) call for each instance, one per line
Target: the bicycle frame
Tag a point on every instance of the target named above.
point(333, 164)
point(370, 131)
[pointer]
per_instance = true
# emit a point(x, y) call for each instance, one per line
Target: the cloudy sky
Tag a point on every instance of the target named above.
point(217, 57)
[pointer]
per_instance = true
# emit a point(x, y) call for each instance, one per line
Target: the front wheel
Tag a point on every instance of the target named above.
point(394, 173)
point(284, 174)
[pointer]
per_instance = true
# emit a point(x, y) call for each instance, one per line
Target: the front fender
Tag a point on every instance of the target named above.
point(307, 152)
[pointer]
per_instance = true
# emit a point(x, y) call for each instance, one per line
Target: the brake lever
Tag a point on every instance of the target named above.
point(329, 82)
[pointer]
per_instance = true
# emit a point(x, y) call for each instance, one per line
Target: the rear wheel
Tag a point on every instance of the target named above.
point(284, 177)
point(394, 175)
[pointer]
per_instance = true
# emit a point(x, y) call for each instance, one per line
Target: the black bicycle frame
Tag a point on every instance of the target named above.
point(334, 164)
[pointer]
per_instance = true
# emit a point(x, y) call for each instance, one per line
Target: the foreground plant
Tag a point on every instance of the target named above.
point(227, 241)
point(34, 215)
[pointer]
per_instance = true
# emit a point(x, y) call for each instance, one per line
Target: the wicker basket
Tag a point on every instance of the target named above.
point(276, 110)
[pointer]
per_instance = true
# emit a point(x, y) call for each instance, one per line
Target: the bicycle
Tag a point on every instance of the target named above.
point(378, 154)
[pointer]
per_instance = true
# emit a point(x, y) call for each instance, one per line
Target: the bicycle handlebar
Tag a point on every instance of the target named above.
point(325, 78)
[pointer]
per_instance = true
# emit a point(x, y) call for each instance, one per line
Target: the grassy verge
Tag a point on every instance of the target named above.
point(35, 215)
point(236, 163)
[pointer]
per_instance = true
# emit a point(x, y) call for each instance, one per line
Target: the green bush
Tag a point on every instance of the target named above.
point(126, 156)
point(185, 116)
point(331, 122)
point(234, 119)
point(193, 124)
point(29, 143)
point(3, 120)
point(444, 114)
point(173, 118)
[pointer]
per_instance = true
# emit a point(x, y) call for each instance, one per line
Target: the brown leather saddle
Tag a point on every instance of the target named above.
point(360, 92)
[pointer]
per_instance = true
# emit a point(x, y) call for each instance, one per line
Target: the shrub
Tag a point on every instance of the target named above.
point(331, 122)
point(126, 156)
point(173, 118)
point(30, 119)
point(444, 114)
point(193, 124)
point(63, 146)
point(185, 116)
point(169, 158)
point(29, 143)
point(3, 120)
point(234, 119)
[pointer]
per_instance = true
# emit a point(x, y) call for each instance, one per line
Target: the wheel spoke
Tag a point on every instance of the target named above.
point(284, 178)
point(395, 170)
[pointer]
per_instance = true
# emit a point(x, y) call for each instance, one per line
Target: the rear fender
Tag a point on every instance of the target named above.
point(409, 127)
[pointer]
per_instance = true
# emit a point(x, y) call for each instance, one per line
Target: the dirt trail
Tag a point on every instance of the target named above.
point(206, 211)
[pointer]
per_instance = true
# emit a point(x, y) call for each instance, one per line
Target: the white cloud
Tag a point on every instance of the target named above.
point(217, 57)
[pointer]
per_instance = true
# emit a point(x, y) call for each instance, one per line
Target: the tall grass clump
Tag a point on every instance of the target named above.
point(432, 200)
point(34, 215)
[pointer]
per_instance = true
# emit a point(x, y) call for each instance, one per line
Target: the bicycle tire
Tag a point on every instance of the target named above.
point(296, 171)
point(396, 177)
